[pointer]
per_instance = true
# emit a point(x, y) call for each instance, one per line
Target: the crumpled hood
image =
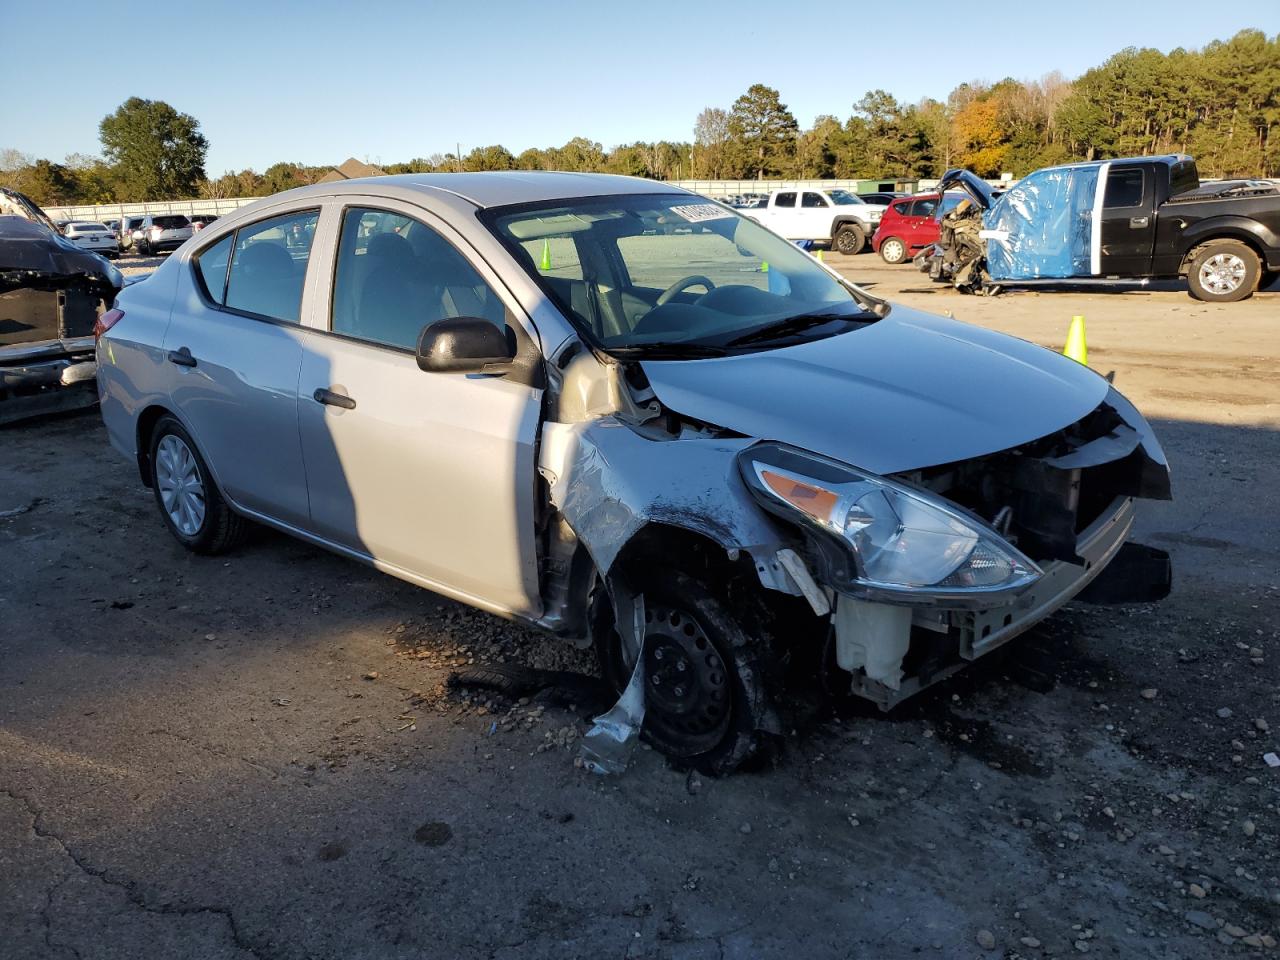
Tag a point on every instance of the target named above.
point(909, 391)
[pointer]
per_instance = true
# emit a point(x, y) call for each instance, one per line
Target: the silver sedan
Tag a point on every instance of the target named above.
point(634, 418)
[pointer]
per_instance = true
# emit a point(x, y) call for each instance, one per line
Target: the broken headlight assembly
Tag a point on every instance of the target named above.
point(883, 539)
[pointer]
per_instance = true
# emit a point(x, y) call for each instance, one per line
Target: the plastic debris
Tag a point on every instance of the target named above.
point(1271, 759)
point(608, 745)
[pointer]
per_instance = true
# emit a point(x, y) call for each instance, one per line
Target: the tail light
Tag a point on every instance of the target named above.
point(106, 322)
point(156, 230)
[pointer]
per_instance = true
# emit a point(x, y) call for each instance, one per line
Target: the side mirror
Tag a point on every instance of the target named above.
point(464, 345)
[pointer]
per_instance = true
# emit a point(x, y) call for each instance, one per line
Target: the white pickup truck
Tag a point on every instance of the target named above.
point(842, 219)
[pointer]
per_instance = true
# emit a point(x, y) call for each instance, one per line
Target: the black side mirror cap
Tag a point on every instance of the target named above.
point(464, 345)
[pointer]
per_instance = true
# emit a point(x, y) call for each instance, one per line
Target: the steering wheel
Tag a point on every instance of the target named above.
point(682, 285)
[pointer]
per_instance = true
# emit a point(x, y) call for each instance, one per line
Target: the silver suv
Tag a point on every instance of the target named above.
point(161, 232)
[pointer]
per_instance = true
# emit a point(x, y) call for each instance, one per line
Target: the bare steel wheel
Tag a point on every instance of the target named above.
point(179, 484)
point(688, 695)
point(1223, 271)
point(707, 685)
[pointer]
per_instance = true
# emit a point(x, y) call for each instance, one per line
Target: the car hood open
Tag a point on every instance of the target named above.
point(909, 391)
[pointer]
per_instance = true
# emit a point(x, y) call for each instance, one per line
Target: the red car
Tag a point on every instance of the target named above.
point(909, 225)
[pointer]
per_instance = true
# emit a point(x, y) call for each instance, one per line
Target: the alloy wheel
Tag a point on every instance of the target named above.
point(1222, 273)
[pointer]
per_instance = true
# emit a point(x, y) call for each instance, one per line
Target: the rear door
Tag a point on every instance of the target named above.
point(432, 475)
point(783, 216)
point(1128, 225)
point(814, 221)
point(234, 348)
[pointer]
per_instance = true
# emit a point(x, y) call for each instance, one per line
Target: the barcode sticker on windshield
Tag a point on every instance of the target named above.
point(698, 212)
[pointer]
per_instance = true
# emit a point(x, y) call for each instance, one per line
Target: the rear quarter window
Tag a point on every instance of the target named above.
point(1183, 176)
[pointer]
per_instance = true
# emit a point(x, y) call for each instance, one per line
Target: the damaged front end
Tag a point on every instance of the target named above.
point(51, 295)
point(1064, 502)
point(960, 255)
point(908, 576)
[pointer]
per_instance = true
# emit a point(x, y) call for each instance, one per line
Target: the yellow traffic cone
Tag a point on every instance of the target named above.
point(820, 259)
point(546, 255)
point(764, 266)
point(1075, 348)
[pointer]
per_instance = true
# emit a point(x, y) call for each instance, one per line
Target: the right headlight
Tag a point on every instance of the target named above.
point(904, 543)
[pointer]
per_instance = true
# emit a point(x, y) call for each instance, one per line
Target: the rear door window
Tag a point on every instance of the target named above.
point(1124, 187)
point(785, 200)
point(269, 265)
point(923, 208)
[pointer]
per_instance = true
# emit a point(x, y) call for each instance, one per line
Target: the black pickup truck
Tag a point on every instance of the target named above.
point(1111, 222)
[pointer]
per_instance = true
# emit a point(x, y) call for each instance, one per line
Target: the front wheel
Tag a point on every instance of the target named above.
point(893, 250)
point(705, 695)
point(189, 501)
point(1224, 271)
point(850, 239)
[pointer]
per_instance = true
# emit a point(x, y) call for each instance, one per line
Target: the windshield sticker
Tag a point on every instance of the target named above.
point(699, 212)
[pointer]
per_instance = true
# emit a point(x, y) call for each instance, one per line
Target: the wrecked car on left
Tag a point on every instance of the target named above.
point(636, 419)
point(51, 295)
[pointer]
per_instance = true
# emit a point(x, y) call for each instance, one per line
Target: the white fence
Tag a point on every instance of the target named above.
point(117, 211)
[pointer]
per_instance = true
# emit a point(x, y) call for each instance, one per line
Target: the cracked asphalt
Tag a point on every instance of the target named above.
point(255, 756)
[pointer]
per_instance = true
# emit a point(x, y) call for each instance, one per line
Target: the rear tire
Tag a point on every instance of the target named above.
point(850, 239)
point(893, 250)
point(188, 498)
point(1223, 271)
point(706, 702)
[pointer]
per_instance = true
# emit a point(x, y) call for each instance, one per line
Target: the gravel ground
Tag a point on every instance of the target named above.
point(255, 755)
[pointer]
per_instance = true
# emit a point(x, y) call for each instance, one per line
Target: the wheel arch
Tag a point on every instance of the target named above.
point(1249, 232)
point(847, 219)
point(145, 426)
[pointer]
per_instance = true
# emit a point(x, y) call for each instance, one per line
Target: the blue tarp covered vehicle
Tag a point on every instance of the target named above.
point(1111, 222)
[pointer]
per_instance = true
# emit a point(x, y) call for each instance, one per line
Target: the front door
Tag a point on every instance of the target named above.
point(432, 475)
point(234, 348)
point(1128, 224)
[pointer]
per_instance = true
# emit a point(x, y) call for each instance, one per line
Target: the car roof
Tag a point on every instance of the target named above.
point(497, 188)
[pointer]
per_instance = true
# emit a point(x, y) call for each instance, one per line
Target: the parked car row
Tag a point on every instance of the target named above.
point(143, 234)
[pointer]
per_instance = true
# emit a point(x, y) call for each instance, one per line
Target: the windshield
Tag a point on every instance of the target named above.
point(673, 275)
point(844, 197)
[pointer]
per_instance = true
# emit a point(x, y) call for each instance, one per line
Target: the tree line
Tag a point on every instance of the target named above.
point(1220, 103)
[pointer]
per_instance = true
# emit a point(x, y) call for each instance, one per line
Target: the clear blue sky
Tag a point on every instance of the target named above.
point(387, 80)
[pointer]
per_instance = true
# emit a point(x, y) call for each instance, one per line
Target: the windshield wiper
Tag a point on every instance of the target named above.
point(657, 349)
point(802, 321)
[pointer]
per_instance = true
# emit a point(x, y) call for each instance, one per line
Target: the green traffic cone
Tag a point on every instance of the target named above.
point(546, 255)
point(764, 266)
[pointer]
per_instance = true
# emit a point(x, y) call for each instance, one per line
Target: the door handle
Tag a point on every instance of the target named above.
point(182, 357)
point(1138, 223)
point(331, 399)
